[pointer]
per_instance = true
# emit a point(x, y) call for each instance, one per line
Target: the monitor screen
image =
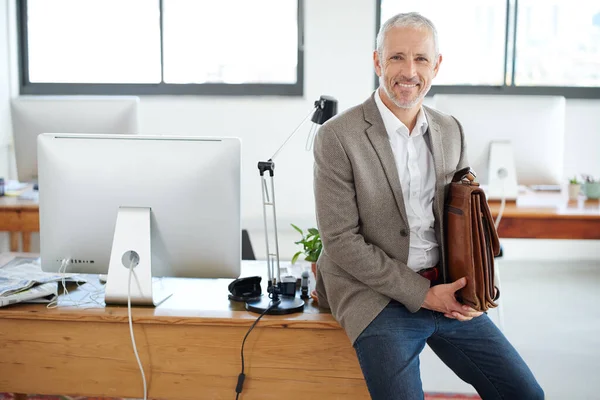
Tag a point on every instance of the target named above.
point(189, 185)
point(32, 115)
point(534, 125)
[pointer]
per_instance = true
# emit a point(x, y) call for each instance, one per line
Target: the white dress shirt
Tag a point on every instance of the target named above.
point(416, 170)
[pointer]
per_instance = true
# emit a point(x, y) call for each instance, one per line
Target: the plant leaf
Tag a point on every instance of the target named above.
point(298, 229)
point(313, 231)
point(295, 258)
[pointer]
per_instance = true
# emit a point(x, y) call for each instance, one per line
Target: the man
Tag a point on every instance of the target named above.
point(381, 170)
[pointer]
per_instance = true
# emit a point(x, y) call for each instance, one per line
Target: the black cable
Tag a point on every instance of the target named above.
point(242, 376)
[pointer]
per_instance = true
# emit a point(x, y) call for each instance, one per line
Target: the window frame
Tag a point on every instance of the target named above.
point(26, 87)
point(510, 50)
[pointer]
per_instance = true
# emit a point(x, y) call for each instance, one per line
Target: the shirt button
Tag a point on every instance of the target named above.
point(404, 232)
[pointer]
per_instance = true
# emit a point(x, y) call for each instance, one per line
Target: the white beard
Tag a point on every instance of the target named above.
point(407, 105)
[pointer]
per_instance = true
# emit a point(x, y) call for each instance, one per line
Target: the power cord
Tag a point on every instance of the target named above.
point(502, 203)
point(54, 303)
point(496, 270)
point(137, 357)
point(242, 376)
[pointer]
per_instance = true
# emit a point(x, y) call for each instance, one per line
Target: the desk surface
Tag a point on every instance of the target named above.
point(533, 205)
point(548, 216)
point(14, 203)
point(194, 302)
point(189, 346)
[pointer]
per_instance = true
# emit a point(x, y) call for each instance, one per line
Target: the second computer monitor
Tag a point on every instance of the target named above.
point(535, 126)
point(33, 115)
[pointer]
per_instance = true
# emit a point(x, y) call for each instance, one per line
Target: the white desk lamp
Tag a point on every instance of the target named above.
point(324, 109)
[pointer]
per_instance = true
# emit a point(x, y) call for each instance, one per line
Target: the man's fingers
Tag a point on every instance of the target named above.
point(458, 316)
point(459, 284)
point(461, 317)
point(466, 310)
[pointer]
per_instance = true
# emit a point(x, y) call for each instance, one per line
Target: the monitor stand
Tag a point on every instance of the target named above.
point(131, 246)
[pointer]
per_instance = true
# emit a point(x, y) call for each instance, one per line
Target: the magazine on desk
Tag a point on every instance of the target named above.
point(22, 280)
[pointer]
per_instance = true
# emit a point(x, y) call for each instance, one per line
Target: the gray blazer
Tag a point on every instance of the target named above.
point(362, 218)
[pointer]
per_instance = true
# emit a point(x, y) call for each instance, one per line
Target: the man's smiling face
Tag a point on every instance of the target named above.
point(407, 65)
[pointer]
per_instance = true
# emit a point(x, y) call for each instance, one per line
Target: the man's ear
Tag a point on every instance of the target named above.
point(377, 63)
point(437, 65)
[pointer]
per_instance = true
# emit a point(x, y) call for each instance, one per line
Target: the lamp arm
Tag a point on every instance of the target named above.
point(293, 133)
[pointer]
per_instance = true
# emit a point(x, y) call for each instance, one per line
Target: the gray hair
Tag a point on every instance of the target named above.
point(411, 19)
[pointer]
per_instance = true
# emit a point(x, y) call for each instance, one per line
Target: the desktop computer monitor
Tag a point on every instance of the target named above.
point(534, 126)
point(32, 115)
point(169, 204)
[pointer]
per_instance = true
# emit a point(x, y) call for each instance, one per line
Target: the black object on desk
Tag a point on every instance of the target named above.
point(245, 289)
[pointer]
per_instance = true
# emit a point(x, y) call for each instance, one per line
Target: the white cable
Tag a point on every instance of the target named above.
point(94, 295)
point(54, 303)
point(62, 270)
point(137, 357)
point(496, 270)
point(310, 139)
point(502, 205)
point(293, 133)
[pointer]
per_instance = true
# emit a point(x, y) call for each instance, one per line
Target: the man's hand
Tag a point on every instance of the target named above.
point(442, 298)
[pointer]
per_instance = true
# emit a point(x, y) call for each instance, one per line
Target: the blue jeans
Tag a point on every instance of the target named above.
point(388, 352)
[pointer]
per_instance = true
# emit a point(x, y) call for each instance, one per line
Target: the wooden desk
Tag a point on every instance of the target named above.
point(548, 216)
point(19, 216)
point(533, 215)
point(189, 347)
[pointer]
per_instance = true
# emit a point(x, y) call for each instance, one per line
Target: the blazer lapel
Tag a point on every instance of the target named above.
point(380, 141)
point(437, 149)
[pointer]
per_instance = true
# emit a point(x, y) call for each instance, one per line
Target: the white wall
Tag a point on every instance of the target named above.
point(264, 123)
point(339, 40)
point(6, 162)
point(5, 125)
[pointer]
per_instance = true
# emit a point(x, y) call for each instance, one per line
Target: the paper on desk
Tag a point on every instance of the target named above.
point(42, 293)
point(22, 275)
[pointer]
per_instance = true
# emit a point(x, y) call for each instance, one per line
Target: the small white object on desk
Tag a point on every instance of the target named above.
point(33, 195)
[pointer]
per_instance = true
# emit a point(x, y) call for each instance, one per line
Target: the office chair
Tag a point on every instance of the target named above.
point(247, 251)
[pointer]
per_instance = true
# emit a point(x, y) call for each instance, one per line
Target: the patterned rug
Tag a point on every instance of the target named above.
point(428, 396)
point(451, 396)
point(9, 396)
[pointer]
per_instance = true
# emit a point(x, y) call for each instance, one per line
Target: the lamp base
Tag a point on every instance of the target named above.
point(288, 305)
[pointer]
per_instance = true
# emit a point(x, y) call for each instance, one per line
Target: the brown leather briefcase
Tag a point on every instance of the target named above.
point(471, 241)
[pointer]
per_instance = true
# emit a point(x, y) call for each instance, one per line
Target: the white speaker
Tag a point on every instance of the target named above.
point(502, 173)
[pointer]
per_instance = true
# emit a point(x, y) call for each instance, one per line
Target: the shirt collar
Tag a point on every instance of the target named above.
point(394, 125)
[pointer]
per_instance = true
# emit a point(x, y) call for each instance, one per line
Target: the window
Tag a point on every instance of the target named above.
point(481, 41)
point(161, 47)
point(558, 43)
point(549, 47)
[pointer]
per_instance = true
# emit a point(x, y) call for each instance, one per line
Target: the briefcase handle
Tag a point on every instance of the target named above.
point(465, 175)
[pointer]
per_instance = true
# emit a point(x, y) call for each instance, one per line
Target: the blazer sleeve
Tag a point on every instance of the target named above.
point(338, 221)
point(464, 161)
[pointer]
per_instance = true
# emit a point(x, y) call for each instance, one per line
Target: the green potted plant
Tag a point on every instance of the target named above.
point(311, 243)
point(312, 247)
point(574, 188)
point(591, 187)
